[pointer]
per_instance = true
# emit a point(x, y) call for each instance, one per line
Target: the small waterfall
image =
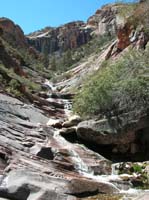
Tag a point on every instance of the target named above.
point(67, 107)
point(114, 170)
point(102, 179)
point(60, 139)
point(79, 165)
point(67, 103)
point(49, 85)
point(115, 180)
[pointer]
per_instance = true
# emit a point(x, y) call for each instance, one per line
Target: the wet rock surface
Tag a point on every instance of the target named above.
point(37, 163)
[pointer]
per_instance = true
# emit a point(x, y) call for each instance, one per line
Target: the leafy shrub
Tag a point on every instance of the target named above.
point(14, 81)
point(127, 9)
point(137, 168)
point(13, 88)
point(14, 84)
point(140, 16)
point(120, 86)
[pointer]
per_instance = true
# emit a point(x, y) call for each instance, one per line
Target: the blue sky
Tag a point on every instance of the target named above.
point(33, 15)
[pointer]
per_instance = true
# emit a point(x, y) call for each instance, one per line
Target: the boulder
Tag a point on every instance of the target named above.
point(68, 131)
point(116, 130)
point(117, 138)
point(101, 132)
point(56, 123)
point(72, 121)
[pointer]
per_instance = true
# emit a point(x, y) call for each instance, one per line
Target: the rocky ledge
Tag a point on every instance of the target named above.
point(125, 135)
point(37, 163)
point(68, 36)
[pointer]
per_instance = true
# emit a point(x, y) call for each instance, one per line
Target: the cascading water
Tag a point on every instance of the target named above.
point(67, 103)
point(113, 180)
point(49, 85)
point(79, 165)
point(114, 169)
point(67, 107)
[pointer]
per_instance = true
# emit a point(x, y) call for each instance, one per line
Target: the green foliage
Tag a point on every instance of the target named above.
point(137, 168)
point(127, 9)
point(13, 87)
point(120, 86)
point(46, 60)
point(140, 16)
point(140, 170)
point(15, 81)
point(14, 84)
point(62, 77)
point(28, 59)
point(96, 44)
point(67, 59)
point(53, 63)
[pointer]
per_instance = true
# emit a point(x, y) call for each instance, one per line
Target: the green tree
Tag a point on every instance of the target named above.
point(53, 65)
point(120, 86)
point(69, 60)
point(45, 52)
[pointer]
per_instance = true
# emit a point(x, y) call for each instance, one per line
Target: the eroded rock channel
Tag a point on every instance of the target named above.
point(44, 157)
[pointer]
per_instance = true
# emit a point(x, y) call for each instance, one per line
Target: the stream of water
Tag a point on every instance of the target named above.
point(67, 107)
point(81, 167)
point(49, 85)
point(113, 180)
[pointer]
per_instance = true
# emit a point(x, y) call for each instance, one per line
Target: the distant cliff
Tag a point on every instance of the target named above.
point(68, 36)
point(74, 34)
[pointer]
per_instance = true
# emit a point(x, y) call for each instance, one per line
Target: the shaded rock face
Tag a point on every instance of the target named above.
point(68, 36)
point(125, 135)
point(12, 33)
point(4, 157)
